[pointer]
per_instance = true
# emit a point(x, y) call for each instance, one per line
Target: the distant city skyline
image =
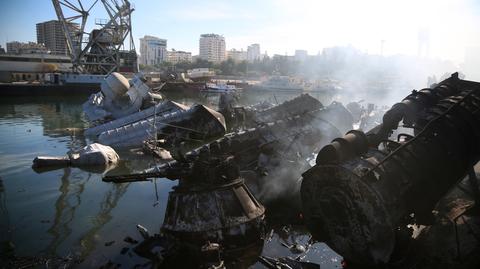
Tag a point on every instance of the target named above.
point(281, 26)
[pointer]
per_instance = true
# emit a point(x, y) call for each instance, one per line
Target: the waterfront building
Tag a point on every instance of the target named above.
point(52, 36)
point(237, 55)
point(178, 56)
point(153, 50)
point(15, 47)
point(212, 48)
point(253, 52)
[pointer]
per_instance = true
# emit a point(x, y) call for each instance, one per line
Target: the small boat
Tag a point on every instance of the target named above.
point(219, 87)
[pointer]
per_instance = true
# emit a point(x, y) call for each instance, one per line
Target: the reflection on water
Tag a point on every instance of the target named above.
point(71, 211)
point(5, 235)
point(108, 203)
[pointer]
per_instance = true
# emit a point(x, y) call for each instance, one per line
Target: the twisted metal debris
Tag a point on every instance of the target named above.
point(364, 188)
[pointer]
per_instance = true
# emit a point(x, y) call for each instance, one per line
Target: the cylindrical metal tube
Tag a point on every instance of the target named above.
point(413, 105)
point(356, 205)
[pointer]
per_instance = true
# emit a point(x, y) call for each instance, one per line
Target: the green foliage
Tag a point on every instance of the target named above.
point(280, 65)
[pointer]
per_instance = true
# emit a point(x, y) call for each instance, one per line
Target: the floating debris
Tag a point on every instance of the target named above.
point(94, 157)
point(143, 231)
point(130, 240)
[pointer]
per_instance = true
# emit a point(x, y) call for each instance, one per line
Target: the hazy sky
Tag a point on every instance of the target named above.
point(281, 26)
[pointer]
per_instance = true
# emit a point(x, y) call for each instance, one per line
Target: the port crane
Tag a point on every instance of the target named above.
point(110, 48)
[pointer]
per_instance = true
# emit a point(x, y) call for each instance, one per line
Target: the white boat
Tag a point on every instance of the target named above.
point(280, 83)
point(219, 87)
point(200, 74)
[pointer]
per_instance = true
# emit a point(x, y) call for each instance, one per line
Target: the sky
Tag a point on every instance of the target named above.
point(282, 26)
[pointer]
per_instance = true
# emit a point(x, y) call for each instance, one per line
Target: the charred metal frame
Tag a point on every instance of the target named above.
point(359, 195)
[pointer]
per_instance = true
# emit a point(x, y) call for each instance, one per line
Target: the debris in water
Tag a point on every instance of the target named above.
point(143, 231)
point(130, 240)
point(94, 157)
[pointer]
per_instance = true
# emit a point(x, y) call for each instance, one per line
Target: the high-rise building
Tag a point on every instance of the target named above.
point(51, 34)
point(253, 52)
point(153, 50)
point(212, 48)
point(178, 56)
point(301, 55)
point(237, 55)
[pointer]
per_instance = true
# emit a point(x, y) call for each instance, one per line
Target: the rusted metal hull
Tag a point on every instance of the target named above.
point(226, 214)
point(356, 197)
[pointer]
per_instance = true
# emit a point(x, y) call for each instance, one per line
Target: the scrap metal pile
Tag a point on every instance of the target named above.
point(273, 154)
point(365, 188)
point(124, 116)
point(203, 212)
point(359, 197)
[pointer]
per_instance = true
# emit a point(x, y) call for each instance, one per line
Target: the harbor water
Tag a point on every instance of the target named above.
point(72, 213)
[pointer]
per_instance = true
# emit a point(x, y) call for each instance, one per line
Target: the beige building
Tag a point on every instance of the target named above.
point(50, 34)
point(212, 48)
point(16, 47)
point(237, 55)
point(178, 56)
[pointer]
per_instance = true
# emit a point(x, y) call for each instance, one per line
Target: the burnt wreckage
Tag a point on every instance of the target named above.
point(210, 211)
point(273, 153)
point(362, 195)
point(365, 189)
point(212, 203)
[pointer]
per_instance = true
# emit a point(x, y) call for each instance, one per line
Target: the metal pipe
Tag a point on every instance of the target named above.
point(355, 204)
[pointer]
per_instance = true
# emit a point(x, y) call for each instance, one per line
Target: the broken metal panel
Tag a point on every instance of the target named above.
point(159, 109)
point(195, 124)
point(356, 196)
